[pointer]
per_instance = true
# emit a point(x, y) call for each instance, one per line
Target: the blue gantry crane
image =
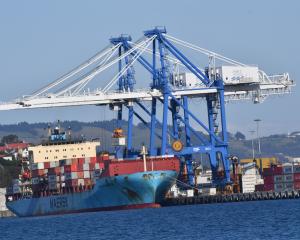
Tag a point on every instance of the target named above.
point(176, 128)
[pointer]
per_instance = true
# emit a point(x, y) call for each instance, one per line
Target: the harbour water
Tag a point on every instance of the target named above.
point(278, 219)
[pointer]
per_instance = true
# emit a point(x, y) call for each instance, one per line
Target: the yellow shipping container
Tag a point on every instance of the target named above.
point(261, 162)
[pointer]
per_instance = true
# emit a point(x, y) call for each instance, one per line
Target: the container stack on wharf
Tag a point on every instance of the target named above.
point(277, 181)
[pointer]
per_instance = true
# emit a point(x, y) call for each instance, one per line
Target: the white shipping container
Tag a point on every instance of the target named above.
point(68, 162)
point(54, 164)
point(190, 193)
point(81, 181)
point(39, 166)
point(97, 166)
point(87, 160)
point(86, 174)
point(121, 141)
point(86, 167)
point(70, 175)
point(62, 170)
point(62, 178)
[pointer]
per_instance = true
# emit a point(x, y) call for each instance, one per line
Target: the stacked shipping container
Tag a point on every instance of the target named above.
point(282, 178)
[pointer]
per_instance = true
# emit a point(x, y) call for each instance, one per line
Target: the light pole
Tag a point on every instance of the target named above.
point(252, 140)
point(258, 137)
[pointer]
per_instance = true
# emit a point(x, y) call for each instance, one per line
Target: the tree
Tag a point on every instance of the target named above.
point(239, 136)
point(10, 139)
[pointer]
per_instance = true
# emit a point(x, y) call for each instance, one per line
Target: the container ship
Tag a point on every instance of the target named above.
point(68, 176)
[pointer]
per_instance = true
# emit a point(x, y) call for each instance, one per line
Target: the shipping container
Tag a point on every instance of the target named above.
point(54, 164)
point(288, 178)
point(86, 174)
point(38, 172)
point(53, 186)
point(268, 180)
point(259, 188)
point(70, 175)
point(296, 177)
point(37, 166)
point(287, 169)
point(46, 164)
point(288, 186)
point(53, 178)
point(86, 167)
point(35, 180)
point(296, 168)
point(71, 183)
point(274, 170)
point(278, 178)
point(297, 185)
point(80, 161)
point(80, 174)
point(54, 171)
point(71, 168)
point(278, 187)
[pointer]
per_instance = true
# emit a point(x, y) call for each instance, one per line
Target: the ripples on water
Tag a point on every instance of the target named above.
point(248, 220)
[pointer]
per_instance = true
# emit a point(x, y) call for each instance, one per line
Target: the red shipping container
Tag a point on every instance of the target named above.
point(71, 168)
point(268, 187)
point(93, 160)
point(46, 165)
point(74, 161)
point(80, 161)
point(92, 166)
point(296, 177)
point(268, 180)
point(37, 172)
point(259, 188)
point(105, 157)
point(80, 167)
point(54, 171)
point(296, 185)
point(80, 174)
point(272, 171)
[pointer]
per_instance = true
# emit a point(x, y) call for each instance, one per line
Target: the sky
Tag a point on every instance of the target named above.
point(41, 40)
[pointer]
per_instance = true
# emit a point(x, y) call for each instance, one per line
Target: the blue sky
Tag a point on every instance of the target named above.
point(41, 40)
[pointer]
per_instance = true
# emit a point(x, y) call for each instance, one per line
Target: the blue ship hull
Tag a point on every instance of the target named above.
point(142, 189)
